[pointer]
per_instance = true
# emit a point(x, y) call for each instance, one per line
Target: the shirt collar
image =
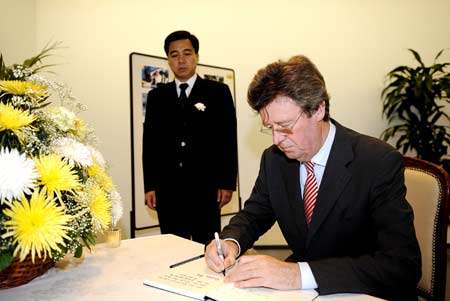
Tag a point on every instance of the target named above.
point(322, 155)
point(190, 81)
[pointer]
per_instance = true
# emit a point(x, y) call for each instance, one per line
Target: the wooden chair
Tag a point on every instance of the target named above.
point(428, 193)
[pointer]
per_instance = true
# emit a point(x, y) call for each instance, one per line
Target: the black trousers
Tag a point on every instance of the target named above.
point(190, 212)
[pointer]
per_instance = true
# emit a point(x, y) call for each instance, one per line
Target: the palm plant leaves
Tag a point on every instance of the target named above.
point(414, 101)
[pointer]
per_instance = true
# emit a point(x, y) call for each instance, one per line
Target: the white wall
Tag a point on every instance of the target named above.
point(353, 42)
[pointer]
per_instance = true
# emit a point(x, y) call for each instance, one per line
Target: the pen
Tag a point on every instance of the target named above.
point(187, 260)
point(219, 248)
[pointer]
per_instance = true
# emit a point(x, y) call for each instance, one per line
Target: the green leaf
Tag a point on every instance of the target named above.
point(78, 252)
point(43, 54)
point(6, 258)
point(417, 56)
point(438, 54)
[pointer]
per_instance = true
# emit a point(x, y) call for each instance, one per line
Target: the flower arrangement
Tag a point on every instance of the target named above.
point(55, 192)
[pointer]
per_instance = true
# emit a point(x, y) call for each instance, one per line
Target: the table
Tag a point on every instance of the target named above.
point(118, 273)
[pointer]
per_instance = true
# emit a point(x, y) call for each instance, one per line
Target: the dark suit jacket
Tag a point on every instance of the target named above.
point(361, 237)
point(201, 144)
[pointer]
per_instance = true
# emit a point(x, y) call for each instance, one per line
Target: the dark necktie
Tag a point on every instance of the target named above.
point(183, 96)
point(310, 191)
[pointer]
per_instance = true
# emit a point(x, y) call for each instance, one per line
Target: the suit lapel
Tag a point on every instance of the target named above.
point(291, 180)
point(195, 92)
point(172, 94)
point(334, 180)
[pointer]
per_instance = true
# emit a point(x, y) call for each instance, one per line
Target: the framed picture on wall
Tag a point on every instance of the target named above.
point(146, 72)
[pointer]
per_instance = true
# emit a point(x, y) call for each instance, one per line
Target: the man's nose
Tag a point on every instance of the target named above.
point(277, 137)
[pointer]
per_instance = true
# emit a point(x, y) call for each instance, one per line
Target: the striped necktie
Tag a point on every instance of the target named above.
point(310, 191)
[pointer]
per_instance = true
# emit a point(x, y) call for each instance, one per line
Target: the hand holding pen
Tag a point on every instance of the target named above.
point(229, 252)
point(219, 250)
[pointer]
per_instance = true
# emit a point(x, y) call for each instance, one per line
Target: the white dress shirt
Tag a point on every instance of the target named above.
point(190, 82)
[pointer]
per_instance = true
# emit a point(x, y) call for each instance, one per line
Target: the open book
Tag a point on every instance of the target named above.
point(196, 280)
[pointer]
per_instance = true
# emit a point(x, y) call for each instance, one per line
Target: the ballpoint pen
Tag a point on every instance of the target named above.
point(219, 248)
point(186, 261)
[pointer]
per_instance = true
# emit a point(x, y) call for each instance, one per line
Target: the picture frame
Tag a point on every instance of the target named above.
point(146, 72)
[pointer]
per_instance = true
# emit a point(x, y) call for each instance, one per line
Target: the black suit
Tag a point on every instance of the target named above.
point(361, 238)
point(188, 154)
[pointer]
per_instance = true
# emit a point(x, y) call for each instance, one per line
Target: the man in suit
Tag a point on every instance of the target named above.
point(189, 146)
point(337, 195)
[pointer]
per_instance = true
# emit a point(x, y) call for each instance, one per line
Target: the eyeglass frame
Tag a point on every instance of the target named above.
point(283, 131)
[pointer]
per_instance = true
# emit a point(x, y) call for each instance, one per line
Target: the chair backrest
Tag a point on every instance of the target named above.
point(428, 193)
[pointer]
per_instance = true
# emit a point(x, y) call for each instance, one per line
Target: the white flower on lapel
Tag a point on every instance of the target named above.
point(200, 106)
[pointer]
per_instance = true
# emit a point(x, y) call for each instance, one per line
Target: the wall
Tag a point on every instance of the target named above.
point(17, 30)
point(353, 42)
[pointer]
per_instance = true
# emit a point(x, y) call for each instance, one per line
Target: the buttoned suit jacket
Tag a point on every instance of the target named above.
point(198, 138)
point(361, 238)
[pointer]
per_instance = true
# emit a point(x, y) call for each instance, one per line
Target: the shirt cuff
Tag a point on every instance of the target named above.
point(307, 278)
point(236, 242)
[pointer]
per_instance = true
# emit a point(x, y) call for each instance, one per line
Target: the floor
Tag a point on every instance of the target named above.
point(282, 254)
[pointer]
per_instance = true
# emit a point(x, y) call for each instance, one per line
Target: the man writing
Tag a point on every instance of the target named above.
point(189, 146)
point(337, 195)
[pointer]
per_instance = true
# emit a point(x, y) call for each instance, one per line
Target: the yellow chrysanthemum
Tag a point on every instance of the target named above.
point(14, 119)
point(100, 176)
point(38, 226)
point(56, 175)
point(100, 207)
point(17, 87)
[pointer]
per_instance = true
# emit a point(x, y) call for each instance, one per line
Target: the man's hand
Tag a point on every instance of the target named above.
point(265, 271)
point(224, 197)
point(150, 199)
point(230, 252)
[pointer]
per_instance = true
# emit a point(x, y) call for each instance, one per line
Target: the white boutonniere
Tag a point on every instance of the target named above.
point(200, 106)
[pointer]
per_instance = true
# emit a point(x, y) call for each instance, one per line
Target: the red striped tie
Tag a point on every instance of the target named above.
point(310, 191)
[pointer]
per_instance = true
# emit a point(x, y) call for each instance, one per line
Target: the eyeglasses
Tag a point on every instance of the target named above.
point(283, 130)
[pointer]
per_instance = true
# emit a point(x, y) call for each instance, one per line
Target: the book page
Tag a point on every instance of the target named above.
point(194, 285)
point(196, 280)
point(192, 279)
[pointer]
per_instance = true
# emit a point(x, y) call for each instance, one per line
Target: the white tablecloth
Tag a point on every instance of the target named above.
point(118, 273)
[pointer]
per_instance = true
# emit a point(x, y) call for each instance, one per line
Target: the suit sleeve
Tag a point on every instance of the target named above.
point(227, 140)
point(393, 265)
point(149, 154)
point(256, 218)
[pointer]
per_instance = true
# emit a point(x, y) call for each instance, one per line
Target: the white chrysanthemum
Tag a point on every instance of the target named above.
point(62, 118)
point(97, 157)
point(116, 209)
point(17, 174)
point(72, 150)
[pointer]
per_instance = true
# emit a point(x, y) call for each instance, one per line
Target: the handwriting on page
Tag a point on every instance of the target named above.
point(199, 281)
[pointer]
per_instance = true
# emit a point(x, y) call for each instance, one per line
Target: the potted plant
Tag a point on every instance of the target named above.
point(414, 102)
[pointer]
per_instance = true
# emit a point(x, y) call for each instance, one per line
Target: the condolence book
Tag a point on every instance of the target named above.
point(196, 280)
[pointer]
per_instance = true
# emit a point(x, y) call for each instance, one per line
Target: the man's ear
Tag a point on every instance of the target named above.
point(319, 114)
